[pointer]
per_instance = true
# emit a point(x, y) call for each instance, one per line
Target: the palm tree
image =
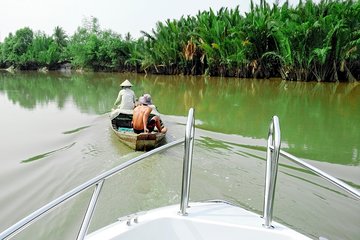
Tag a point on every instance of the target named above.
point(60, 37)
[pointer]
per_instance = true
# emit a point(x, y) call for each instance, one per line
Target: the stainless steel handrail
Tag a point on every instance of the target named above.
point(346, 187)
point(272, 158)
point(98, 181)
point(90, 211)
point(272, 155)
point(187, 163)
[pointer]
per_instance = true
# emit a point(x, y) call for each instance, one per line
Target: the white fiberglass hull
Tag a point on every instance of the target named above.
point(210, 220)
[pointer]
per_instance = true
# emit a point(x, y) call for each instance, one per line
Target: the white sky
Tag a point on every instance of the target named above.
point(118, 15)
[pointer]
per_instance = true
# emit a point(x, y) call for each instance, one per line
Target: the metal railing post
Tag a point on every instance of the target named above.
point(90, 211)
point(272, 158)
point(188, 154)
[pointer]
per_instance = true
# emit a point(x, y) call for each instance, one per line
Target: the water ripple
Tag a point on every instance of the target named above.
point(44, 155)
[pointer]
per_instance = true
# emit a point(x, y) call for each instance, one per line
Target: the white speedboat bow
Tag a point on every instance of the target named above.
point(206, 220)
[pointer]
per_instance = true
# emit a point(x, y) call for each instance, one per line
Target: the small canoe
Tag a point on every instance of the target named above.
point(121, 126)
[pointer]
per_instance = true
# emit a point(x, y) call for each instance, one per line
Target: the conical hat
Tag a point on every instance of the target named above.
point(126, 83)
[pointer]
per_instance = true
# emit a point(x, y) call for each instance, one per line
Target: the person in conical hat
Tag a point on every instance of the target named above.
point(126, 97)
point(126, 83)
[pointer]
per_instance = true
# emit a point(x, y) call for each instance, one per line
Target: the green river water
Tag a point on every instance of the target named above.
point(55, 135)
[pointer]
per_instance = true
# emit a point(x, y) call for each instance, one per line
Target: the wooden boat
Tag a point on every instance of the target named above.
point(211, 220)
point(121, 126)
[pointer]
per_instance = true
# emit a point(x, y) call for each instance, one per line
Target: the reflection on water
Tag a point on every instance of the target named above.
point(318, 120)
point(58, 124)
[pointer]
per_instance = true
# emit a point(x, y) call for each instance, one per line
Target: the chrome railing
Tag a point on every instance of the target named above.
point(187, 163)
point(98, 183)
point(273, 153)
point(272, 157)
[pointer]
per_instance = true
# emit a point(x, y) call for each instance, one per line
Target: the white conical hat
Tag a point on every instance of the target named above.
point(126, 83)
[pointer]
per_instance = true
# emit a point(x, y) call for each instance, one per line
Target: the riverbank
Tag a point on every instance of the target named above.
point(308, 42)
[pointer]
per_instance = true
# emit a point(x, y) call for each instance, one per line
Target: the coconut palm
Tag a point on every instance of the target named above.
point(60, 36)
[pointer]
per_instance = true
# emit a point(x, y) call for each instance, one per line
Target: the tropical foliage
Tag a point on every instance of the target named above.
point(307, 42)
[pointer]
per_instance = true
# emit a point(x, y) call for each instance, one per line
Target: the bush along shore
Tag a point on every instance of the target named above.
point(306, 42)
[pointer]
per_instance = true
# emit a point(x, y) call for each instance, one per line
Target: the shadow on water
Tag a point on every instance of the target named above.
point(75, 130)
point(44, 155)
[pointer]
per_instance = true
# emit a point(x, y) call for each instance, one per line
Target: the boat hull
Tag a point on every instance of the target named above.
point(121, 126)
point(140, 142)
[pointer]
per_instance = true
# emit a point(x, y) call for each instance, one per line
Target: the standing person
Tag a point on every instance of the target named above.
point(126, 97)
point(142, 121)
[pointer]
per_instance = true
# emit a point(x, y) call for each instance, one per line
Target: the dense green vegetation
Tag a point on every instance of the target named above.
point(306, 42)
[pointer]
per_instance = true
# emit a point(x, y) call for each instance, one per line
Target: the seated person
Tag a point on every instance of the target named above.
point(150, 104)
point(142, 122)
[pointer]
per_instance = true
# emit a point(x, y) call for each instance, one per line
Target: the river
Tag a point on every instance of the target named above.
point(55, 135)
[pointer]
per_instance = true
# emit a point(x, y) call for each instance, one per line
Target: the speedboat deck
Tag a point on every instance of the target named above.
point(208, 220)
